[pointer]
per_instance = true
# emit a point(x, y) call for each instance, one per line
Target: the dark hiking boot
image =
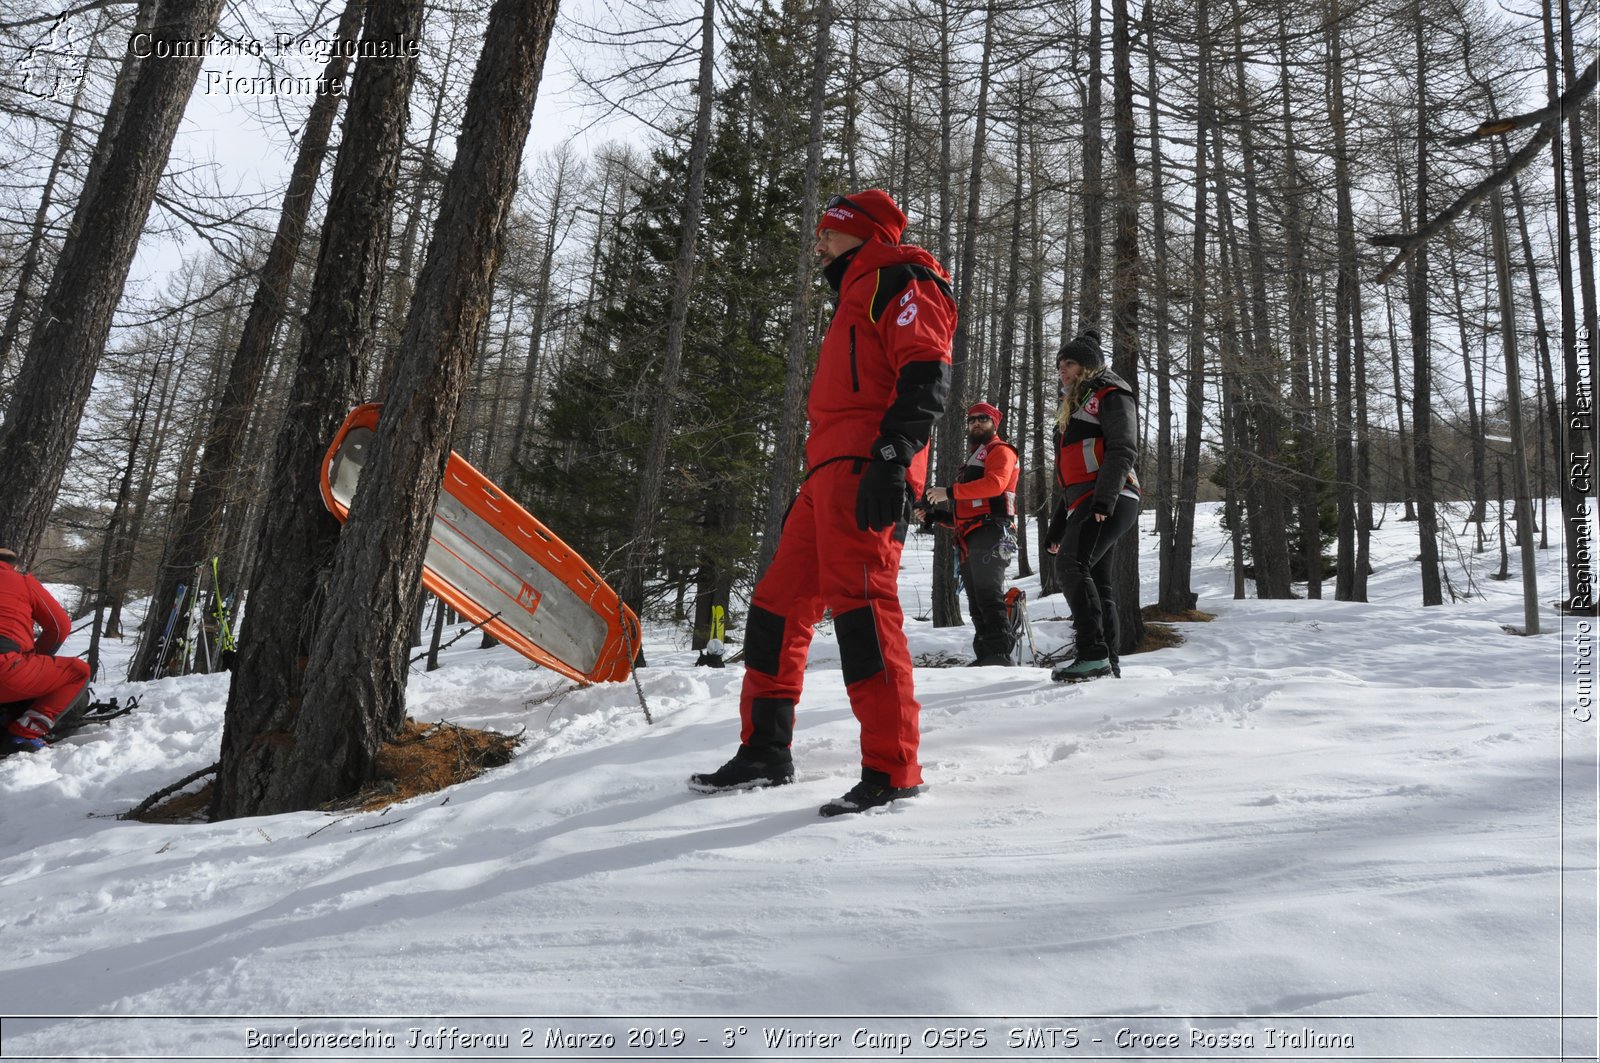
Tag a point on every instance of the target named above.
point(993, 660)
point(1081, 670)
point(745, 771)
point(870, 792)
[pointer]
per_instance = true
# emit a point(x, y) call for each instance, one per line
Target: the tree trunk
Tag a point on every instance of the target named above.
point(214, 487)
point(541, 313)
point(1017, 412)
point(1166, 490)
point(1579, 426)
point(63, 351)
point(1407, 474)
point(786, 456)
point(1125, 298)
point(23, 294)
point(647, 509)
point(1041, 493)
point(348, 713)
point(400, 283)
point(1476, 442)
point(262, 759)
point(1091, 290)
point(1302, 322)
point(1351, 579)
point(1421, 356)
point(945, 452)
point(113, 533)
point(1262, 390)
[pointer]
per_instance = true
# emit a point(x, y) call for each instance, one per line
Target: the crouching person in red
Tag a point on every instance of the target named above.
point(28, 673)
point(880, 383)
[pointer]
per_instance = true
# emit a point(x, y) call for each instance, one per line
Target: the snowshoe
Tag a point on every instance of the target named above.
point(93, 712)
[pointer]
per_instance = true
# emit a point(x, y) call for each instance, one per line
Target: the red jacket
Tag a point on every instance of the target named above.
point(24, 602)
point(884, 368)
point(986, 486)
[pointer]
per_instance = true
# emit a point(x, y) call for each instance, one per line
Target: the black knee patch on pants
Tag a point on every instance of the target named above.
point(771, 725)
point(763, 640)
point(859, 653)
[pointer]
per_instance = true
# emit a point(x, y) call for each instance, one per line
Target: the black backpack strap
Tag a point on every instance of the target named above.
point(892, 280)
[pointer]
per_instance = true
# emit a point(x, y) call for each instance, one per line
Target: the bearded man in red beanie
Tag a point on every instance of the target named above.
point(880, 383)
point(982, 506)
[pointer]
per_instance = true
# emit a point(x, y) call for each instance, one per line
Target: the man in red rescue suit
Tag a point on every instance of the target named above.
point(982, 506)
point(1097, 443)
point(880, 383)
point(28, 671)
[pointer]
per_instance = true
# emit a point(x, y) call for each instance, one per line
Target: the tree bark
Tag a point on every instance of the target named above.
point(348, 713)
point(1262, 390)
point(1421, 355)
point(1177, 593)
point(1302, 323)
point(263, 760)
point(1583, 440)
point(1350, 579)
point(1125, 297)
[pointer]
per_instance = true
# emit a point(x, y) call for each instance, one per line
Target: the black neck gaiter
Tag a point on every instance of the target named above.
point(834, 271)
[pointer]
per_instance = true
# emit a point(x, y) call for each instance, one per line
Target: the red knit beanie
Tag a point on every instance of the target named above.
point(983, 409)
point(869, 214)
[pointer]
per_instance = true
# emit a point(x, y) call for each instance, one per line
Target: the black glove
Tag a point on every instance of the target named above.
point(1058, 527)
point(881, 497)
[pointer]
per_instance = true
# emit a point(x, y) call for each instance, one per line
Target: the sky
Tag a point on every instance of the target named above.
point(248, 135)
point(1315, 829)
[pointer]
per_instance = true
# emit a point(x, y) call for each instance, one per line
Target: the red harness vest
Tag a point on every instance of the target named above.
point(969, 512)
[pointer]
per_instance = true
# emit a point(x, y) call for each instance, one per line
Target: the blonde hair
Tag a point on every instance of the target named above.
point(1074, 399)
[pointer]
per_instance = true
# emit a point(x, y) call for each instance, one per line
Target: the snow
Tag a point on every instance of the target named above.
point(1312, 821)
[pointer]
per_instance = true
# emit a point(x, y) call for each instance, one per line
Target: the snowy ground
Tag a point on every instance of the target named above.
point(1316, 829)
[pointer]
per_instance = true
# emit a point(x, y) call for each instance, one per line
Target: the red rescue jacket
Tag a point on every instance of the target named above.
point(23, 603)
point(883, 370)
point(986, 486)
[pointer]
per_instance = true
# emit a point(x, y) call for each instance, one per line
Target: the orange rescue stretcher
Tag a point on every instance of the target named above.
point(498, 566)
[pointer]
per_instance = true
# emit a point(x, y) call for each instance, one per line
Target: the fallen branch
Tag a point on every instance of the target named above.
point(1497, 126)
point(151, 801)
point(1549, 124)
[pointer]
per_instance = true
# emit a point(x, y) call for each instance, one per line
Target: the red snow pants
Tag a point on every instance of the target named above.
point(53, 683)
point(824, 562)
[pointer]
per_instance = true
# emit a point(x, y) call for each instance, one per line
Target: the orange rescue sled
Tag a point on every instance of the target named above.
point(488, 555)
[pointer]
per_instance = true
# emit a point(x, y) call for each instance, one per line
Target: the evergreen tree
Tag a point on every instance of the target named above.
point(589, 458)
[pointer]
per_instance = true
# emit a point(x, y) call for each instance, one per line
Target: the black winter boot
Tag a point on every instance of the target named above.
point(746, 771)
point(872, 791)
